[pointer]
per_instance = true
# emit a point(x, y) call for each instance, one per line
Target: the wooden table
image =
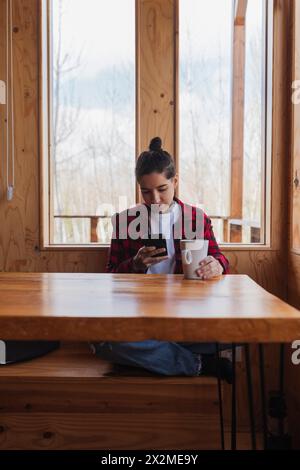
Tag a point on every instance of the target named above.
point(131, 307)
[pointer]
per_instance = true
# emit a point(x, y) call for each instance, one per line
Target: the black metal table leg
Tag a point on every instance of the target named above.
point(281, 390)
point(233, 401)
point(250, 396)
point(263, 393)
point(220, 399)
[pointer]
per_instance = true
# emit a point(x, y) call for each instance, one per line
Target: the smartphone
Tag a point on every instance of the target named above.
point(158, 242)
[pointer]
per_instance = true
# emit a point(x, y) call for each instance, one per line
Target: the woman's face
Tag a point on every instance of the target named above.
point(157, 189)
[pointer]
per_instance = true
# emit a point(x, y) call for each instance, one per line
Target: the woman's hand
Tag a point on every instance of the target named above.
point(209, 268)
point(146, 256)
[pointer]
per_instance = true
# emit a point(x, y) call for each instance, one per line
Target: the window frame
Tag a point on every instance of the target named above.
point(46, 203)
point(266, 157)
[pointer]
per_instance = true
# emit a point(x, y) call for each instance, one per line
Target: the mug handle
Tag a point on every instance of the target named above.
point(187, 254)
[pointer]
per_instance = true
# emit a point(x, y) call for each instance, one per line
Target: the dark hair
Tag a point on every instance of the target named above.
point(155, 160)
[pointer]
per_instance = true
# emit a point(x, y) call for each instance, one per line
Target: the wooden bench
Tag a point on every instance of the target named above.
point(69, 399)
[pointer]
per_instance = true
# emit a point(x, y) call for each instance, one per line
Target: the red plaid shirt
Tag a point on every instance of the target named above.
point(123, 250)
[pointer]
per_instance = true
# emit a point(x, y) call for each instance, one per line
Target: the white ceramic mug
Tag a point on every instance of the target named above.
point(192, 253)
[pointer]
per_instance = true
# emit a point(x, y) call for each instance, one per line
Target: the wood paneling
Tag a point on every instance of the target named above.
point(237, 127)
point(280, 127)
point(156, 56)
point(294, 280)
point(295, 242)
point(70, 399)
point(293, 371)
point(20, 220)
point(264, 266)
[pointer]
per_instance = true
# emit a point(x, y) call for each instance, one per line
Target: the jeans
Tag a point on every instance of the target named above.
point(162, 357)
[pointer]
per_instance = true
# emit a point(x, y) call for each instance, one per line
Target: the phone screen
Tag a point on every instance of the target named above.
point(158, 242)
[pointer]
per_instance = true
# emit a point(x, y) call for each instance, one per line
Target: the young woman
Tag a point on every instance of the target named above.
point(156, 174)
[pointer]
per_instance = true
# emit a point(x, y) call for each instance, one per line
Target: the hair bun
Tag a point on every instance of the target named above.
point(155, 144)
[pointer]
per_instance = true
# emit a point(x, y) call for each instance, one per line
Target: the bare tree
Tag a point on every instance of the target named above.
point(65, 116)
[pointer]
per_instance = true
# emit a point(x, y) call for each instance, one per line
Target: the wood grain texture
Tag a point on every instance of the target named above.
point(74, 362)
point(109, 431)
point(264, 267)
point(240, 12)
point(68, 400)
point(19, 242)
point(293, 375)
point(281, 124)
point(294, 280)
point(295, 242)
point(115, 432)
point(122, 307)
point(157, 72)
point(237, 126)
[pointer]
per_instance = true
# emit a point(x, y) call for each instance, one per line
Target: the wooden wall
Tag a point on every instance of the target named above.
point(20, 220)
point(20, 235)
point(294, 191)
point(294, 232)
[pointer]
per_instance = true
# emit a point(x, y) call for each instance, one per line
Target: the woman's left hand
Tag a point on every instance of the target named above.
point(209, 267)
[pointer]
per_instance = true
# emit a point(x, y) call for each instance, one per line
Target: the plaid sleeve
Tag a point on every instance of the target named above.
point(116, 262)
point(213, 247)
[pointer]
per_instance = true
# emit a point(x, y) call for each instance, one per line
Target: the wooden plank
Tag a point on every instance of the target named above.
point(72, 379)
point(237, 135)
point(74, 362)
point(240, 12)
point(66, 399)
point(296, 136)
point(114, 431)
point(236, 233)
point(281, 128)
point(156, 74)
point(292, 372)
point(104, 396)
point(120, 307)
point(70, 384)
point(109, 431)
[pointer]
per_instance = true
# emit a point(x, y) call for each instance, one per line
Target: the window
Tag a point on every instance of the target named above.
point(89, 124)
point(92, 116)
point(223, 85)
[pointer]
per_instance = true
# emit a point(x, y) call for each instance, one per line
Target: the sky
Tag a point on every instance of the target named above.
point(104, 30)
point(102, 33)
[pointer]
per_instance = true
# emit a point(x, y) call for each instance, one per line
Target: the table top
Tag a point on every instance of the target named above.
point(134, 307)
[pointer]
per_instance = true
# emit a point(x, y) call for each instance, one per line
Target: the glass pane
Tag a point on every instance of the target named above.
point(93, 113)
point(205, 57)
point(78, 230)
point(254, 119)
